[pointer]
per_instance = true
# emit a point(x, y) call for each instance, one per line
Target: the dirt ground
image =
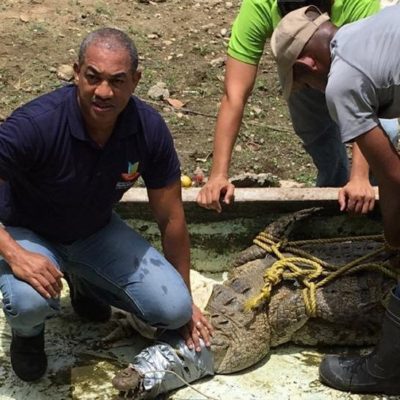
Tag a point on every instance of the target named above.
point(181, 44)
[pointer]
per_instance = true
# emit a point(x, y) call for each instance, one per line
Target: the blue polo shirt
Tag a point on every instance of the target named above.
point(59, 182)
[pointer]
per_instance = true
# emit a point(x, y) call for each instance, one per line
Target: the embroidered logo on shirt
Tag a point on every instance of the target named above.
point(132, 173)
point(128, 178)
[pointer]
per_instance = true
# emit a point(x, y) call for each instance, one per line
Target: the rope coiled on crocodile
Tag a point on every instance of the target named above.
point(310, 271)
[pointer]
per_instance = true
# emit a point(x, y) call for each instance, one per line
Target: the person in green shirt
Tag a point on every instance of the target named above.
point(311, 121)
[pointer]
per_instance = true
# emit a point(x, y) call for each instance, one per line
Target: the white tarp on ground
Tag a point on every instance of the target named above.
point(78, 371)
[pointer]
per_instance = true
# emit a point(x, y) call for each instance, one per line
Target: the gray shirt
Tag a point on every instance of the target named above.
point(364, 79)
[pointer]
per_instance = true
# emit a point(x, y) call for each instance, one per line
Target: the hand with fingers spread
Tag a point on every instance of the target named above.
point(358, 197)
point(217, 189)
point(198, 327)
point(38, 271)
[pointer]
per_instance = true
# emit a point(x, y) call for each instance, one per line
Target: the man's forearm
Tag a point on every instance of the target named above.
point(9, 248)
point(359, 167)
point(239, 82)
point(226, 131)
point(176, 247)
point(385, 164)
point(389, 198)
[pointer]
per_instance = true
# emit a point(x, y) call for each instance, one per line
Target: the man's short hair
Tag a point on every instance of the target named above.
point(111, 38)
point(289, 38)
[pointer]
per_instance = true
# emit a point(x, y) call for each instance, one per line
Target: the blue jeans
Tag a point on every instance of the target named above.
point(121, 267)
point(321, 137)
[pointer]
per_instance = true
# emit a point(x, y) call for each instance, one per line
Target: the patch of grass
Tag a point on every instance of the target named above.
point(308, 178)
point(103, 9)
point(201, 49)
point(39, 28)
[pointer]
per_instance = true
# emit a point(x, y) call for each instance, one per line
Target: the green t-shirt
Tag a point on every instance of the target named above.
point(258, 18)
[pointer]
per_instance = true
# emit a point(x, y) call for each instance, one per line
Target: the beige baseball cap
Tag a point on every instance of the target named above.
point(289, 39)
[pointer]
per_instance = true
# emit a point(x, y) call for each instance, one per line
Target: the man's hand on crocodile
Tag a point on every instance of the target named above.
point(198, 327)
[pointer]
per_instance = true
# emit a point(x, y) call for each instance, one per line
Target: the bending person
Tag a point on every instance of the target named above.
point(360, 75)
point(310, 117)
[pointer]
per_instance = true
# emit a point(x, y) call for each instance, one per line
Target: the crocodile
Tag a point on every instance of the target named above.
point(348, 311)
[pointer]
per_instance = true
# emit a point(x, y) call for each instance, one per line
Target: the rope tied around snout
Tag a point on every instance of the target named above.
point(310, 271)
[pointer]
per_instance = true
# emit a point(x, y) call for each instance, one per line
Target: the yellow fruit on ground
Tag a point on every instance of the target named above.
point(186, 181)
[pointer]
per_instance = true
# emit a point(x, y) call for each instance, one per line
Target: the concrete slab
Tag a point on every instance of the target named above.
point(79, 371)
point(257, 195)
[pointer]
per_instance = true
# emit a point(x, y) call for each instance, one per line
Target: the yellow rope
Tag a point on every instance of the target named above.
point(375, 238)
point(310, 271)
